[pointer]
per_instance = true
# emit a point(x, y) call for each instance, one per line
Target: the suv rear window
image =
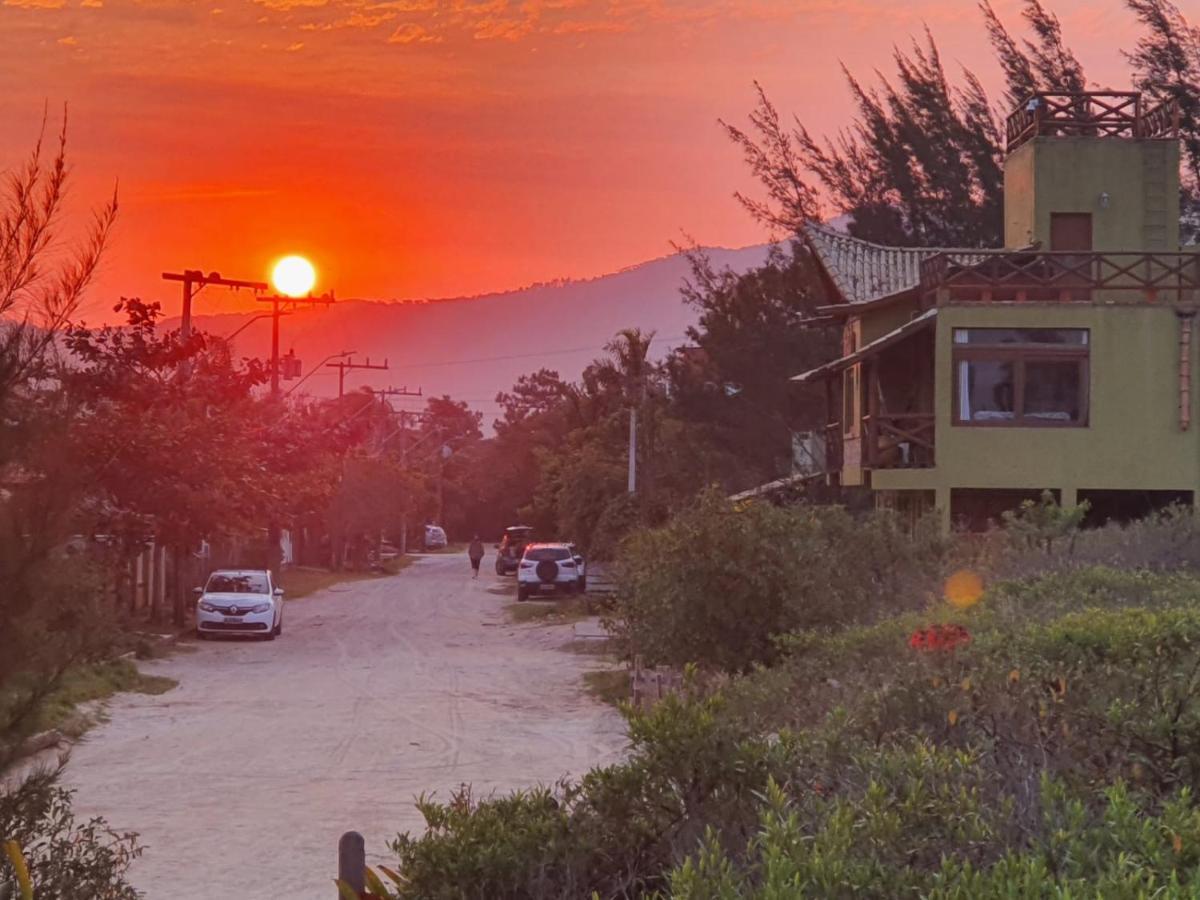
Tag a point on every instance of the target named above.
point(542, 553)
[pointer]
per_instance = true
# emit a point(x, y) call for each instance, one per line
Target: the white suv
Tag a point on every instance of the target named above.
point(551, 567)
point(240, 601)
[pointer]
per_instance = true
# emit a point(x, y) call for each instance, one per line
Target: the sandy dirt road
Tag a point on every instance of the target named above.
point(240, 780)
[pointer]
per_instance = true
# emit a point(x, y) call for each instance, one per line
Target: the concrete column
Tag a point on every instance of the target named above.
point(941, 500)
point(1069, 499)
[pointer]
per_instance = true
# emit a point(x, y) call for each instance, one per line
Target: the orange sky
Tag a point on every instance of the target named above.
point(441, 147)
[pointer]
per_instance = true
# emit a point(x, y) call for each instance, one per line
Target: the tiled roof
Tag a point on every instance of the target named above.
point(863, 271)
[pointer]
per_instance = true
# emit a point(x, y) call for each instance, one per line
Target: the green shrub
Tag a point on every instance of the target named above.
point(914, 825)
point(719, 583)
point(67, 860)
point(616, 832)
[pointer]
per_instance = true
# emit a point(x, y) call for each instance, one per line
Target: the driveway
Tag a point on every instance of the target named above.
point(240, 780)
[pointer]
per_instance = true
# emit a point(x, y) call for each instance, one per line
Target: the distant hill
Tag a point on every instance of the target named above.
point(472, 347)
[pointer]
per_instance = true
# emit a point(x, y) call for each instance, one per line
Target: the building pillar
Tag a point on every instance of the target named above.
point(941, 500)
point(1070, 497)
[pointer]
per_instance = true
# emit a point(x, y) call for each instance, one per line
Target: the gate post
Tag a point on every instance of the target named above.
point(352, 861)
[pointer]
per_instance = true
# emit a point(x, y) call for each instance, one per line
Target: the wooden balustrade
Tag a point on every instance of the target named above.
point(899, 440)
point(1019, 276)
point(1091, 114)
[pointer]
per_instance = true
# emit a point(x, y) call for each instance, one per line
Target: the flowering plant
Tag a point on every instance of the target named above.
point(939, 638)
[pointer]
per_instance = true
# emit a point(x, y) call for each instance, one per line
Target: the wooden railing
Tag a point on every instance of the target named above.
point(1003, 275)
point(1091, 114)
point(899, 441)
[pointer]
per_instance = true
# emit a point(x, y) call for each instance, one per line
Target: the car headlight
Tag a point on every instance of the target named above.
point(208, 607)
point(260, 607)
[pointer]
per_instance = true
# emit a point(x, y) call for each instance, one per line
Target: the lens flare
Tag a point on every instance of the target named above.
point(294, 276)
point(963, 589)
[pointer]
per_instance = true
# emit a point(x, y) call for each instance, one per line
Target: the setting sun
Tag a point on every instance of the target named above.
point(294, 276)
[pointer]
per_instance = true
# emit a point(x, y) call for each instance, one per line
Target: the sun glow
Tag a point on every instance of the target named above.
point(294, 276)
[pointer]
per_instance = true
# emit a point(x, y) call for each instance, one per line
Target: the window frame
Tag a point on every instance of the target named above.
point(1019, 354)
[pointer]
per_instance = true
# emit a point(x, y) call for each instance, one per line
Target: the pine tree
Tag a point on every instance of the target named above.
point(1166, 65)
point(921, 164)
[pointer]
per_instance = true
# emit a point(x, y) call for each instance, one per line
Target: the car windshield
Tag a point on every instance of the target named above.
point(230, 583)
point(537, 554)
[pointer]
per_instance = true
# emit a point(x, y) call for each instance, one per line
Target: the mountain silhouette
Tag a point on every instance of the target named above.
point(473, 347)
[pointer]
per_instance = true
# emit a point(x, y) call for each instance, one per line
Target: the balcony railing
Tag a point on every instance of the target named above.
point(899, 441)
point(1007, 276)
point(1091, 114)
point(891, 441)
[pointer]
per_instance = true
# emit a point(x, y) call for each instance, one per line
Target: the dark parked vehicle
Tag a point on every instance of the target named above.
point(511, 548)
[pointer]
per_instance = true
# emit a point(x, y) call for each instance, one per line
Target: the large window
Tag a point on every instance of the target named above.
point(1028, 377)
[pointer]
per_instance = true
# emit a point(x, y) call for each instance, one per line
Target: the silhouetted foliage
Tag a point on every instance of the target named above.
point(920, 164)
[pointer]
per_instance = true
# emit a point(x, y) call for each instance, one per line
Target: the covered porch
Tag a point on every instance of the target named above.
point(879, 403)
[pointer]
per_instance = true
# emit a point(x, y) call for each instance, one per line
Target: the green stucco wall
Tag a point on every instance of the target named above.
point(1133, 439)
point(1069, 175)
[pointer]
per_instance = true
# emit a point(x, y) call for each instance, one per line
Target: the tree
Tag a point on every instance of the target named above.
point(731, 389)
point(920, 165)
point(1166, 65)
point(47, 616)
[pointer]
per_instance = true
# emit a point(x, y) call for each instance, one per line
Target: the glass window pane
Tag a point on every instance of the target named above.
point(992, 337)
point(985, 391)
point(1053, 391)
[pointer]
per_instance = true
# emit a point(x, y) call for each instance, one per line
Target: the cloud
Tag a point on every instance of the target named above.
point(69, 41)
point(287, 5)
point(407, 5)
point(292, 48)
point(588, 26)
point(200, 192)
point(502, 29)
point(36, 4)
point(91, 4)
point(412, 33)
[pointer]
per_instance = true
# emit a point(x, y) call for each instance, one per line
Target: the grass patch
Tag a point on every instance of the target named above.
point(609, 686)
point(90, 683)
point(301, 581)
point(556, 612)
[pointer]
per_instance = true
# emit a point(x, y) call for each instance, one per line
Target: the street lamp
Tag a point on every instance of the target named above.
point(317, 368)
point(229, 337)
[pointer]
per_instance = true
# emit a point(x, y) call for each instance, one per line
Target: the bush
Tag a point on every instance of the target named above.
point(718, 584)
point(617, 831)
point(67, 860)
point(1045, 744)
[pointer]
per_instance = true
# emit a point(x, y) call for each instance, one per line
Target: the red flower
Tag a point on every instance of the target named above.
point(939, 637)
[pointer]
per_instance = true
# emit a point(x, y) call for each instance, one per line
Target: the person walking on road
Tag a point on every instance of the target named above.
point(475, 552)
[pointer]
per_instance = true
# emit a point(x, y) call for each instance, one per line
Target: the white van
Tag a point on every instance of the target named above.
point(435, 537)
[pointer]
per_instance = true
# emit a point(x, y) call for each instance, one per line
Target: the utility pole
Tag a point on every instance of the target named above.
point(195, 281)
point(276, 302)
point(633, 449)
point(347, 364)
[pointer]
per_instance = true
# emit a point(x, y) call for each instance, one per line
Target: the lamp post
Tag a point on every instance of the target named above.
point(317, 368)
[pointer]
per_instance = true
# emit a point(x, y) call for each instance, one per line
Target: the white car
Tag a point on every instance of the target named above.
point(240, 601)
point(435, 537)
point(545, 568)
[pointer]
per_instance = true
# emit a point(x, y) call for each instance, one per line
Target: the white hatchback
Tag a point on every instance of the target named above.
point(551, 567)
point(240, 601)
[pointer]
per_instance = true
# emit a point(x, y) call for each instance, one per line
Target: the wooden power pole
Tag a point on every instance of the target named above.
point(346, 364)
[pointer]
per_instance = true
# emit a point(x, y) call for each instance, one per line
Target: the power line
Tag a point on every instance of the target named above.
point(482, 359)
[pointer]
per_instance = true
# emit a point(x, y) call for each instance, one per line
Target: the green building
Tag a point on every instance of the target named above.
point(971, 380)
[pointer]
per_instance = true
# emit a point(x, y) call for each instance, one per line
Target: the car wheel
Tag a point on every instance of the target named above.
point(270, 635)
point(279, 627)
point(202, 635)
point(583, 585)
point(522, 593)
